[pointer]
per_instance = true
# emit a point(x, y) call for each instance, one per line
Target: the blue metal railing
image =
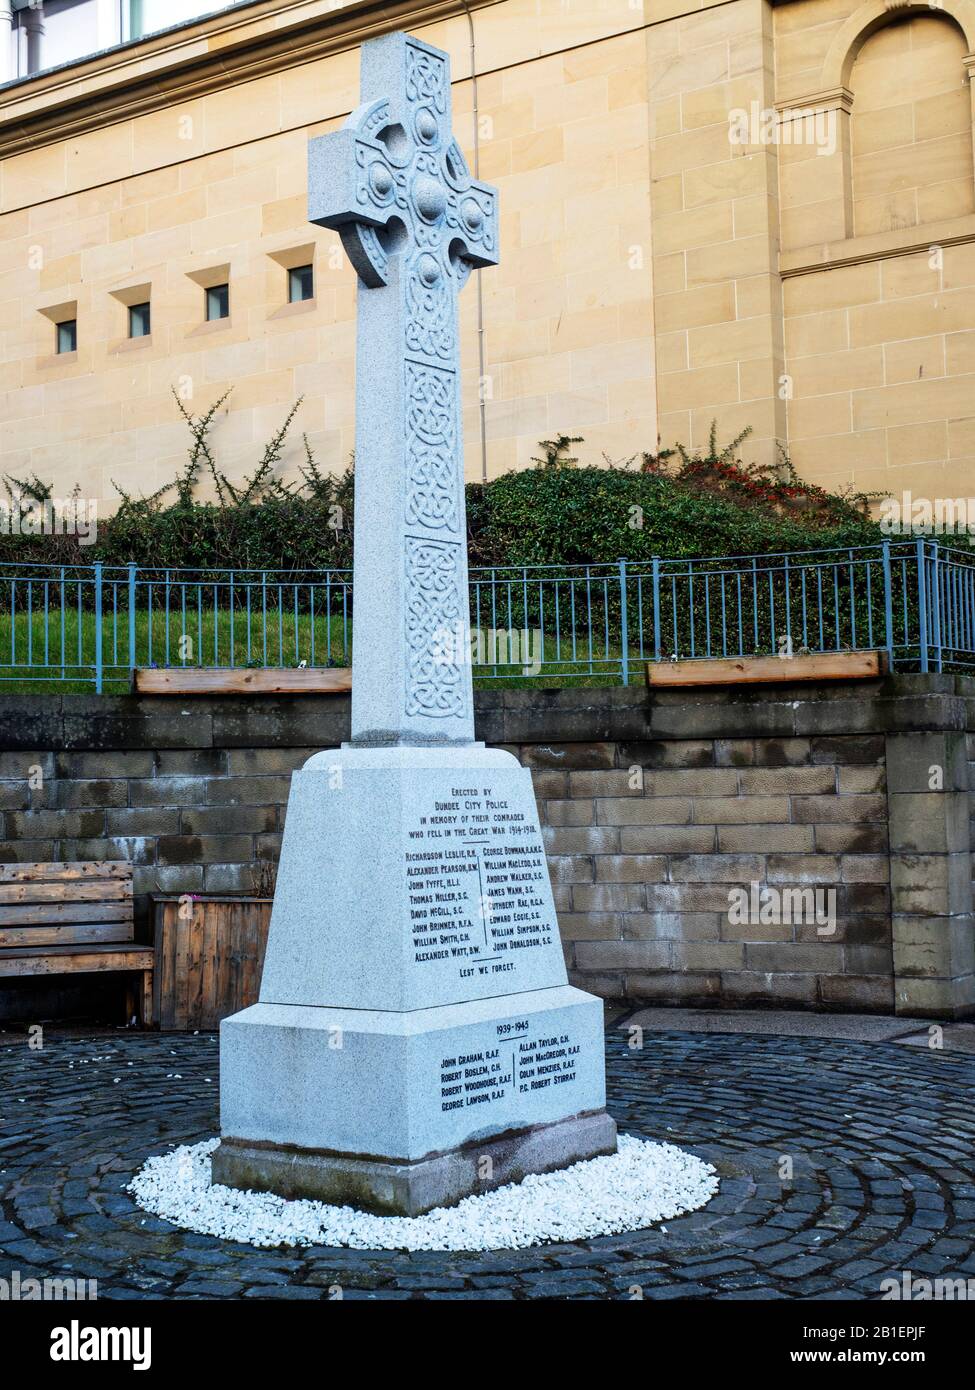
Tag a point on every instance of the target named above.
point(92, 624)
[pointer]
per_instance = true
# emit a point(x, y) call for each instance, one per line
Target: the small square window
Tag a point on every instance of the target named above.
point(301, 283)
point(140, 320)
point(67, 336)
point(218, 302)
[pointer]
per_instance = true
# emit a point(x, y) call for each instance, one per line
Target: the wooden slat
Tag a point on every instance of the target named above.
point(251, 979)
point(100, 890)
point(182, 990)
point(64, 952)
point(194, 969)
point(263, 930)
point(53, 914)
point(59, 871)
point(235, 927)
point(208, 971)
point(118, 932)
point(312, 680)
point(69, 960)
point(171, 962)
point(165, 961)
point(753, 670)
point(222, 985)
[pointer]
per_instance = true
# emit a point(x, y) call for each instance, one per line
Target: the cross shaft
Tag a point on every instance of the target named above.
point(394, 184)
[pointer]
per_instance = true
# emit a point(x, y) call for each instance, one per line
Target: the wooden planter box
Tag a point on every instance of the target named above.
point(209, 960)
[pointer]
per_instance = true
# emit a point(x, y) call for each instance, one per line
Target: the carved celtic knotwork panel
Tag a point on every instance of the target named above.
point(426, 79)
point(436, 663)
point(433, 480)
point(429, 310)
point(380, 187)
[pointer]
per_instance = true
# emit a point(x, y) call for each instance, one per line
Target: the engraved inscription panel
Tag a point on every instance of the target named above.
point(478, 895)
point(525, 1057)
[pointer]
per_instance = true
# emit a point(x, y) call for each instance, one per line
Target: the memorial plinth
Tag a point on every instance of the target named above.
point(416, 1039)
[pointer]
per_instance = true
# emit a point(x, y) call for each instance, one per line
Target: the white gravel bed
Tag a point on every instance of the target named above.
point(643, 1183)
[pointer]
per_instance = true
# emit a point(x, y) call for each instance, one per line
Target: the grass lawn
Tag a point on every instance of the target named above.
point(38, 654)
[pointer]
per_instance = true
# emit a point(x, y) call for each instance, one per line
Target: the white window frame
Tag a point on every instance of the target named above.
point(117, 21)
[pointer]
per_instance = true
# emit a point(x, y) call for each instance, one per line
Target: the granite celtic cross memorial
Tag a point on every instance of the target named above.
point(416, 1039)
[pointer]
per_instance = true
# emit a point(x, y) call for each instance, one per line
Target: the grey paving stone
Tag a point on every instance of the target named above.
point(881, 1138)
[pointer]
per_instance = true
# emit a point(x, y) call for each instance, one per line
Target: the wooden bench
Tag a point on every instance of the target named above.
point(66, 919)
point(767, 670)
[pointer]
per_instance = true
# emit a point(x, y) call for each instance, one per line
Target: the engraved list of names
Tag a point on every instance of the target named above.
point(477, 886)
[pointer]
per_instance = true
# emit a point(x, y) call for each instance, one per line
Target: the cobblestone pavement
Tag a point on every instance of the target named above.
point(880, 1139)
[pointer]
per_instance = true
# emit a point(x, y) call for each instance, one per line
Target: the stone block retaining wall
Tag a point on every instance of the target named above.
point(655, 809)
point(644, 856)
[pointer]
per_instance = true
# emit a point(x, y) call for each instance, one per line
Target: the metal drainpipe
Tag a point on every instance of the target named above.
point(8, 68)
point(34, 26)
point(482, 414)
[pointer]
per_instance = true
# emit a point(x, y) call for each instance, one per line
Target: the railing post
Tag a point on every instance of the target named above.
point(624, 626)
point(264, 620)
point(64, 672)
point(132, 570)
point(888, 607)
point(98, 627)
point(656, 608)
point(788, 613)
point(936, 606)
point(922, 605)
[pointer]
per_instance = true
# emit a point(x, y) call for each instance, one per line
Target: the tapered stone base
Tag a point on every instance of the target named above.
point(391, 1188)
point(416, 1039)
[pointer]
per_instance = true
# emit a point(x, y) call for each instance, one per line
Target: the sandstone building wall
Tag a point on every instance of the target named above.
point(656, 273)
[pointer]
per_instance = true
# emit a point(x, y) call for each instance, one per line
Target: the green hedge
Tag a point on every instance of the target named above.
point(673, 505)
point(578, 515)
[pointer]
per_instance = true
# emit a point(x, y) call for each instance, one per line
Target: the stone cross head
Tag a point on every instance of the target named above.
point(393, 180)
